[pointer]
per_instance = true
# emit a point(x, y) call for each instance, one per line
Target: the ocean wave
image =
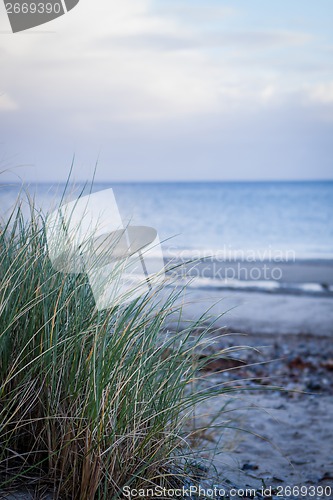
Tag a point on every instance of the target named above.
point(268, 286)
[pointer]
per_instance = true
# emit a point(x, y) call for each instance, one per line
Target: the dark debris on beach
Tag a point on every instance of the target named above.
point(296, 364)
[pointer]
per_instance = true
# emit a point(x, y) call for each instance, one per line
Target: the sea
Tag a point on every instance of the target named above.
point(250, 222)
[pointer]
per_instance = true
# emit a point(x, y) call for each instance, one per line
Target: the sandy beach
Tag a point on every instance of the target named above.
point(288, 433)
point(166, 250)
point(271, 439)
point(276, 427)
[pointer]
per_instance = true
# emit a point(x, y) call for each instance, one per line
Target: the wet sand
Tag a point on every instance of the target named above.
point(317, 271)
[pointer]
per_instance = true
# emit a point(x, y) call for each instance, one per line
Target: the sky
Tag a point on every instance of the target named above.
point(168, 90)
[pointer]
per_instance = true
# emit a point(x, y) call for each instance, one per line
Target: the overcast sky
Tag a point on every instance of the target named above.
point(170, 90)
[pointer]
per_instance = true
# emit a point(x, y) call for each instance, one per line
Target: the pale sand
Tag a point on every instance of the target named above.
point(291, 442)
point(297, 428)
point(256, 312)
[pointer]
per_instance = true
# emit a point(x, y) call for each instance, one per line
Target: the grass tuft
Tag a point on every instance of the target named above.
point(90, 401)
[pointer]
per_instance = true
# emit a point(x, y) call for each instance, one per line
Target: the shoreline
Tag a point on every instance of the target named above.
point(307, 278)
point(288, 341)
point(298, 271)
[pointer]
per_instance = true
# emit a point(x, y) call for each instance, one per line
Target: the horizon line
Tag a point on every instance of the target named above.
point(163, 181)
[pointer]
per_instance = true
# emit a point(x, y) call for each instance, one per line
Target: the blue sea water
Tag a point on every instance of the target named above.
point(217, 217)
point(252, 217)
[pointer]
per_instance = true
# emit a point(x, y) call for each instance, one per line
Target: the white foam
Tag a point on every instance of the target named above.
point(260, 285)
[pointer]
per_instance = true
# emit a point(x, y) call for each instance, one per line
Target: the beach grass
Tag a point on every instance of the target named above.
point(90, 401)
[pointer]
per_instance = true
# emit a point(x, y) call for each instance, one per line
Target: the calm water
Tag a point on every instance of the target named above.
point(256, 217)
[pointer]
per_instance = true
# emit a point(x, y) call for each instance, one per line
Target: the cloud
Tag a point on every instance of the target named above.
point(198, 13)
point(153, 86)
point(7, 103)
point(69, 71)
point(125, 61)
point(322, 93)
point(185, 41)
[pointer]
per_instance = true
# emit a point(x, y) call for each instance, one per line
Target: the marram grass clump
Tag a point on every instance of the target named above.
point(90, 401)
